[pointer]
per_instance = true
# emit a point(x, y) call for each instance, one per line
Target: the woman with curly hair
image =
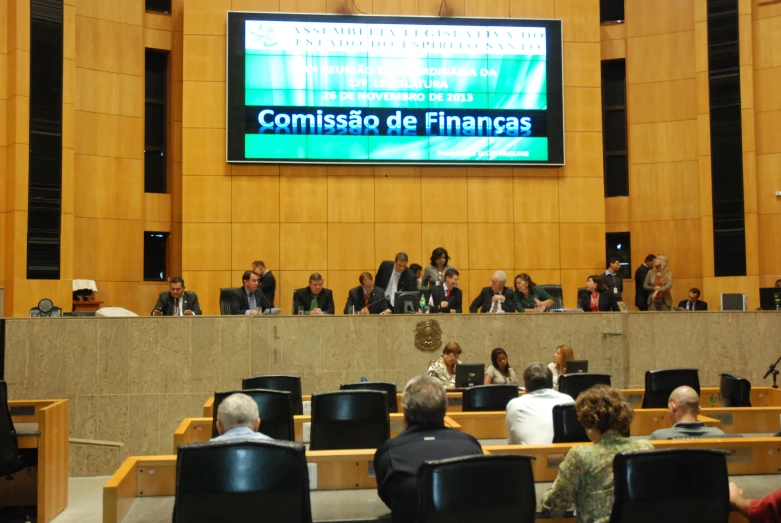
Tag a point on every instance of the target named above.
point(586, 473)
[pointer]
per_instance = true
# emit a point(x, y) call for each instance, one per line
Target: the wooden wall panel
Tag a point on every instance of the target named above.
point(672, 55)
point(681, 183)
point(350, 246)
point(544, 9)
point(108, 187)
point(579, 60)
point(351, 199)
point(203, 105)
point(581, 200)
point(536, 199)
point(204, 152)
point(679, 240)
point(254, 199)
point(583, 109)
point(767, 42)
point(109, 46)
point(207, 285)
point(767, 136)
point(206, 246)
point(207, 199)
point(256, 5)
point(303, 246)
point(580, 19)
point(399, 199)
point(99, 239)
point(204, 58)
point(663, 142)
point(491, 245)
point(490, 200)
point(454, 237)
point(662, 101)
point(537, 246)
point(254, 241)
point(303, 199)
point(391, 238)
point(583, 152)
point(205, 17)
point(444, 199)
point(768, 183)
point(488, 8)
point(109, 93)
point(582, 245)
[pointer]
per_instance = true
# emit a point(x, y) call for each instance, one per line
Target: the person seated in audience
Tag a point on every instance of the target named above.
point(418, 270)
point(394, 276)
point(684, 407)
point(434, 274)
point(424, 438)
point(444, 369)
point(497, 298)
point(267, 284)
point(446, 298)
point(765, 510)
point(366, 298)
point(237, 418)
point(248, 299)
point(177, 301)
point(586, 473)
point(530, 417)
point(528, 297)
point(693, 303)
point(598, 298)
point(778, 283)
point(499, 372)
point(314, 299)
point(564, 353)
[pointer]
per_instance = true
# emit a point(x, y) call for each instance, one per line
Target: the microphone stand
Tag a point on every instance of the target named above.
point(772, 370)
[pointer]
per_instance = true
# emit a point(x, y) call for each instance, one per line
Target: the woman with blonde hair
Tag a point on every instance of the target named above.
point(586, 473)
point(658, 283)
point(564, 353)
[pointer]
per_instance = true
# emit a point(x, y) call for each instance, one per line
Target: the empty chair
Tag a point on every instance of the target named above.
point(389, 388)
point(291, 384)
point(261, 481)
point(574, 384)
point(275, 408)
point(488, 397)
point(496, 488)
point(349, 419)
point(673, 486)
point(735, 391)
point(659, 384)
point(556, 293)
point(566, 427)
point(225, 301)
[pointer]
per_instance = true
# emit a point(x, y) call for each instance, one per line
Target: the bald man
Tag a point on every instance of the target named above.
point(684, 406)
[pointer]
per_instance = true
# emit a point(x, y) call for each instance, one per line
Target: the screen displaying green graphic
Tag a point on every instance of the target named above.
point(393, 90)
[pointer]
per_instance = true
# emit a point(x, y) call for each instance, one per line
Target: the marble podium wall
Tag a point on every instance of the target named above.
point(133, 380)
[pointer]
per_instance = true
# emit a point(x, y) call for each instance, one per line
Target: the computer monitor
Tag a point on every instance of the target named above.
point(575, 366)
point(469, 374)
point(734, 302)
point(406, 302)
point(770, 298)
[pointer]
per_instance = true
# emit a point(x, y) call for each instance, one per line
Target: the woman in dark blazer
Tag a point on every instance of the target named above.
point(598, 298)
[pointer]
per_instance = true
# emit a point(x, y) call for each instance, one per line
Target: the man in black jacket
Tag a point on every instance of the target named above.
point(693, 303)
point(268, 284)
point(447, 297)
point(424, 438)
point(247, 299)
point(641, 295)
point(314, 300)
point(177, 301)
point(497, 298)
point(366, 298)
point(394, 276)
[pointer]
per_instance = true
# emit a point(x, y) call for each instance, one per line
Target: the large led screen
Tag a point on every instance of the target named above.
point(394, 90)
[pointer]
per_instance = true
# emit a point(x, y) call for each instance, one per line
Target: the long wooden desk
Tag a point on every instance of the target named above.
point(145, 476)
point(709, 398)
point(50, 489)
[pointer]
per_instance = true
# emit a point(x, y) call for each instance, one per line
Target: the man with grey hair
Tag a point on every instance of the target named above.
point(424, 438)
point(530, 417)
point(496, 299)
point(684, 407)
point(237, 418)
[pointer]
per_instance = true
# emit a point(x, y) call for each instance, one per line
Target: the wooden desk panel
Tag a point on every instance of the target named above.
point(52, 417)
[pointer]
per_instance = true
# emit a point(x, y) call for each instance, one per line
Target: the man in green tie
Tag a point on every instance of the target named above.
point(314, 299)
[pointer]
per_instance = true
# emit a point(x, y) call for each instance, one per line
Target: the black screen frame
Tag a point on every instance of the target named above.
point(234, 146)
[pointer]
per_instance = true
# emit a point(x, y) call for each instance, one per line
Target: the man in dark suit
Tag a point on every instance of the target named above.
point(177, 301)
point(447, 297)
point(248, 300)
point(641, 295)
point(693, 303)
point(268, 284)
point(314, 299)
point(394, 276)
point(366, 298)
point(496, 298)
point(424, 438)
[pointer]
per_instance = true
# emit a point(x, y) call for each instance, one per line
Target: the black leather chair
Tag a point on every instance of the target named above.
point(659, 384)
point(674, 486)
point(735, 391)
point(556, 293)
point(275, 408)
point(261, 481)
point(574, 384)
point(11, 460)
point(225, 301)
point(496, 488)
point(389, 388)
point(349, 419)
point(488, 397)
point(582, 291)
point(566, 427)
point(291, 384)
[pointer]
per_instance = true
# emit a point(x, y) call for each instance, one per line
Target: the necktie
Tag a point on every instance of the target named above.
point(366, 301)
point(252, 304)
point(447, 294)
point(496, 304)
point(176, 307)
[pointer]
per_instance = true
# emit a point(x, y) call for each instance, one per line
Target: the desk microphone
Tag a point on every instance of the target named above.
point(382, 298)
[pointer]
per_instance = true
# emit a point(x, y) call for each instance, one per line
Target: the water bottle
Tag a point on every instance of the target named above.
point(423, 302)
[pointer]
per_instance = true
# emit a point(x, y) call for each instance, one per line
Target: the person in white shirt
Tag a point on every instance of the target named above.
point(530, 417)
point(238, 419)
